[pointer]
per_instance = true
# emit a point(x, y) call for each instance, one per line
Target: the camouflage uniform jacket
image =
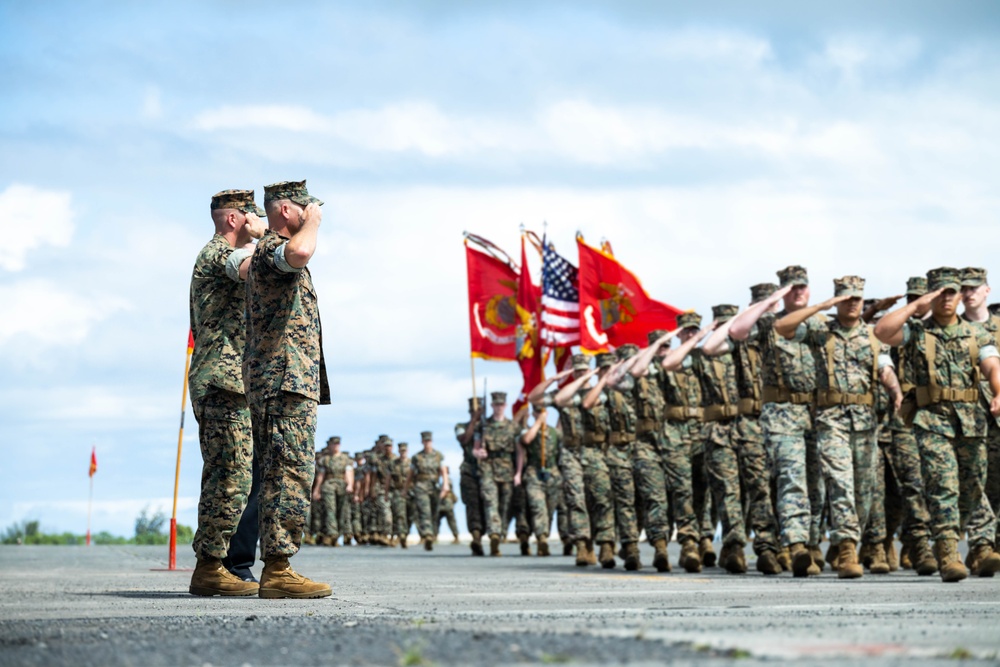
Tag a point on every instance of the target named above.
point(855, 363)
point(718, 385)
point(596, 424)
point(469, 462)
point(682, 390)
point(427, 466)
point(570, 419)
point(553, 446)
point(399, 468)
point(788, 363)
point(499, 440)
point(746, 361)
point(381, 468)
point(216, 323)
point(649, 402)
point(953, 368)
point(284, 343)
point(334, 467)
point(992, 327)
point(622, 420)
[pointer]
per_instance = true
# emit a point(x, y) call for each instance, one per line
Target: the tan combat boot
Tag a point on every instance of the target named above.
point(802, 560)
point(607, 557)
point(495, 545)
point(428, 544)
point(767, 563)
point(724, 555)
point(404, 542)
point(308, 539)
point(985, 561)
point(924, 560)
point(690, 560)
point(865, 554)
point(784, 557)
point(525, 545)
point(831, 557)
point(567, 548)
point(848, 566)
point(591, 556)
point(889, 546)
point(581, 553)
point(477, 543)
point(905, 557)
point(949, 561)
point(211, 578)
point(632, 561)
point(348, 539)
point(736, 561)
point(706, 552)
point(878, 563)
point(542, 547)
point(817, 556)
point(279, 580)
point(661, 561)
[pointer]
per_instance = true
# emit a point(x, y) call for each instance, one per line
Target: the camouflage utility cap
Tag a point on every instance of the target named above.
point(944, 277)
point(241, 200)
point(292, 190)
point(973, 277)
point(425, 436)
point(689, 320)
point(581, 362)
point(498, 397)
point(852, 286)
point(655, 335)
point(334, 440)
point(605, 360)
point(724, 312)
point(917, 286)
point(627, 351)
point(793, 275)
point(403, 446)
point(761, 291)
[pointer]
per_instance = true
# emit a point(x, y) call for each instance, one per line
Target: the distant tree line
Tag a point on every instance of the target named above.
point(149, 529)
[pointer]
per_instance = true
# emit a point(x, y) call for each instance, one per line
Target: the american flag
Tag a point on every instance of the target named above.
point(560, 300)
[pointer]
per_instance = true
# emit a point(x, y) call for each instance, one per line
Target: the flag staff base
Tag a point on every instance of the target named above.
point(172, 558)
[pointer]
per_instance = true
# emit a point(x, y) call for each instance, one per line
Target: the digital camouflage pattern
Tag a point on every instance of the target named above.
point(216, 314)
point(619, 455)
point(468, 484)
point(399, 497)
point(224, 434)
point(426, 467)
point(295, 191)
point(496, 473)
point(647, 466)
point(755, 475)
point(983, 524)
point(284, 340)
point(853, 361)
point(334, 506)
point(446, 511)
point(240, 200)
point(575, 493)
point(682, 442)
point(283, 434)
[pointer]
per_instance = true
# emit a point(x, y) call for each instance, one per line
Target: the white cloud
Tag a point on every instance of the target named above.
point(152, 105)
point(50, 315)
point(33, 217)
point(257, 117)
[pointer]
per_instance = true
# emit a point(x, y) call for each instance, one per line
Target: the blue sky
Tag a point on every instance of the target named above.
point(712, 144)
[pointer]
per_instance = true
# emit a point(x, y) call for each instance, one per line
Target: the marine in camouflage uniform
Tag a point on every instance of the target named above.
point(596, 476)
point(380, 491)
point(446, 511)
point(720, 395)
point(850, 363)
point(357, 529)
point(683, 431)
point(788, 394)
point(335, 484)
point(617, 389)
point(982, 529)
point(215, 380)
point(468, 479)
point(947, 356)
point(400, 495)
point(426, 468)
point(748, 438)
point(284, 374)
point(496, 470)
point(533, 476)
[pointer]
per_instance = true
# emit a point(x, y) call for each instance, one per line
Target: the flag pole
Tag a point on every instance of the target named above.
point(90, 504)
point(472, 366)
point(172, 556)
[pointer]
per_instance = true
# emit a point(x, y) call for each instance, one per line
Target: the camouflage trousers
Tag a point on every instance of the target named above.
point(799, 489)
point(600, 503)
point(356, 528)
point(381, 510)
point(679, 441)
point(518, 512)
point(722, 465)
point(619, 461)
point(226, 440)
point(312, 520)
point(400, 518)
point(983, 522)
point(468, 486)
point(954, 477)
point(701, 494)
point(877, 527)
point(557, 504)
point(905, 458)
point(427, 495)
point(497, 492)
point(651, 485)
point(575, 493)
point(755, 483)
point(537, 501)
point(335, 510)
point(449, 516)
point(847, 459)
point(284, 433)
point(411, 512)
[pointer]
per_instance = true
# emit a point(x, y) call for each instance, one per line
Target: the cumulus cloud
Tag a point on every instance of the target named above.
point(35, 217)
point(51, 315)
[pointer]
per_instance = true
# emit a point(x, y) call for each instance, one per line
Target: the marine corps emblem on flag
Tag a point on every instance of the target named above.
point(617, 307)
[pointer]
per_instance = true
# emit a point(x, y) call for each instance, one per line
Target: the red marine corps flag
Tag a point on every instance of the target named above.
point(614, 308)
point(529, 351)
point(493, 280)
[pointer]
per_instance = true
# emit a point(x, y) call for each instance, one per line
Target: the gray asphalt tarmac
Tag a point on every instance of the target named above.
point(106, 606)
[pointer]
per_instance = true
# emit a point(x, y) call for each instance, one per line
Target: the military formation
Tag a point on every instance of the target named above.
point(790, 422)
